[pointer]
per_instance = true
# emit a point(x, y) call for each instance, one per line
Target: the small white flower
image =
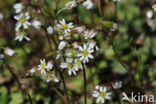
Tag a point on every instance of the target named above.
point(154, 7)
point(20, 35)
point(22, 21)
point(149, 14)
point(1, 56)
point(85, 53)
point(117, 85)
point(88, 4)
point(71, 4)
point(18, 7)
point(62, 45)
point(90, 34)
point(115, 27)
point(10, 52)
point(36, 24)
point(101, 94)
point(52, 77)
point(66, 27)
point(50, 30)
point(50, 65)
point(1, 16)
point(69, 64)
point(42, 67)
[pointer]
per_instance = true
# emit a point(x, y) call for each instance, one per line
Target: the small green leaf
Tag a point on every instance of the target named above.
point(108, 24)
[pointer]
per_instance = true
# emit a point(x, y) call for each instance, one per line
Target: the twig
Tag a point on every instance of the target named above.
point(58, 93)
point(85, 85)
point(65, 89)
point(16, 79)
point(139, 65)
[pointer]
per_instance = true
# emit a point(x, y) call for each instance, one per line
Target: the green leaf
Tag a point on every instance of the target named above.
point(108, 24)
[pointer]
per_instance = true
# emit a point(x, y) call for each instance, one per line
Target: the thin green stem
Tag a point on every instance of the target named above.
point(139, 65)
point(85, 85)
point(65, 88)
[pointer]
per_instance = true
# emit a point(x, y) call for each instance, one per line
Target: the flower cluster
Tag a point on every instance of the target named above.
point(45, 71)
point(23, 22)
point(76, 54)
point(74, 45)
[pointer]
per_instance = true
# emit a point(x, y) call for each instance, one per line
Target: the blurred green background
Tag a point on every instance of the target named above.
point(105, 68)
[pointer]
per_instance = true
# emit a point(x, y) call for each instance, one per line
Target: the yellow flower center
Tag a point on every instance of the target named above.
point(70, 65)
point(78, 63)
point(22, 20)
point(85, 53)
point(154, 6)
point(65, 26)
point(51, 78)
point(43, 66)
point(23, 34)
point(102, 94)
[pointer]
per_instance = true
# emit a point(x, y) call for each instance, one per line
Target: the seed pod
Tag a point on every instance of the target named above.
point(140, 40)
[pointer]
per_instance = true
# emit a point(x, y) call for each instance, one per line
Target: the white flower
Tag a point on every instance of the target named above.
point(149, 14)
point(1, 56)
point(36, 24)
point(69, 64)
point(1, 16)
point(78, 63)
point(66, 27)
point(90, 34)
point(18, 7)
point(71, 4)
point(88, 4)
point(101, 94)
point(117, 85)
point(85, 53)
point(62, 45)
point(42, 67)
point(115, 27)
point(154, 7)
point(50, 65)
point(22, 21)
point(50, 30)
point(20, 35)
point(10, 52)
point(52, 77)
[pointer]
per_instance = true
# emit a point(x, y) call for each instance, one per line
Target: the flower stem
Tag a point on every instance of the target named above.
point(85, 85)
point(65, 89)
